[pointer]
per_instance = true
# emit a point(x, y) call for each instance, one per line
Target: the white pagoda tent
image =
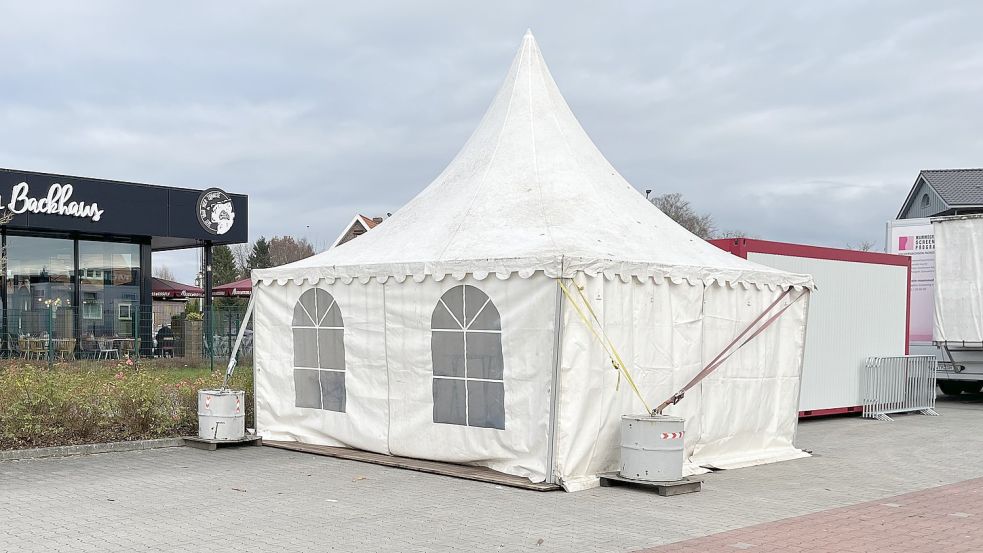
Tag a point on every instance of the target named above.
point(445, 333)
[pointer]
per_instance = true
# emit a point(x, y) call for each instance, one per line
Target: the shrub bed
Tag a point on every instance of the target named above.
point(70, 404)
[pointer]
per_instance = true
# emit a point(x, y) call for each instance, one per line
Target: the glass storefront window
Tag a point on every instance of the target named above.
point(96, 310)
point(109, 290)
point(39, 287)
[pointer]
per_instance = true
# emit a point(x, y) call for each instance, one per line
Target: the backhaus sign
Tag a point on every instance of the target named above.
point(57, 201)
point(169, 217)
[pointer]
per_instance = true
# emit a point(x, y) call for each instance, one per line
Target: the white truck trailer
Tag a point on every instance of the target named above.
point(946, 294)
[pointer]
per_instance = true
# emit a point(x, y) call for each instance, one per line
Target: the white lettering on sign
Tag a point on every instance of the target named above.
point(57, 202)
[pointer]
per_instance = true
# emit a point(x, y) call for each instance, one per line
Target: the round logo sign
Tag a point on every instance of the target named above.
point(215, 211)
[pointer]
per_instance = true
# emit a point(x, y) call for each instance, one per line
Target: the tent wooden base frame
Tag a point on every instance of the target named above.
point(212, 445)
point(665, 489)
point(467, 472)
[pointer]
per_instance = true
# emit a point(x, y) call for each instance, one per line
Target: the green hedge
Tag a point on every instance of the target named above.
point(44, 406)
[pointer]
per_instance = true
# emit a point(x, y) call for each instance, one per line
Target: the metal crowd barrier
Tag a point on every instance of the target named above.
point(898, 385)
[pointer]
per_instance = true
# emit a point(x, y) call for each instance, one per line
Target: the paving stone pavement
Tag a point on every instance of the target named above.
point(263, 499)
point(943, 519)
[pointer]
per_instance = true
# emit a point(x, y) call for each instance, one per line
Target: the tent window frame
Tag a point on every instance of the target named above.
point(480, 344)
point(316, 370)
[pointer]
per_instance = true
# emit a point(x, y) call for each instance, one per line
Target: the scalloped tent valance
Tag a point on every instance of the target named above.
point(559, 269)
point(529, 192)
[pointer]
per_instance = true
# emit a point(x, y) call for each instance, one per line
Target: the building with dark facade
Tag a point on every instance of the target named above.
point(942, 192)
point(78, 252)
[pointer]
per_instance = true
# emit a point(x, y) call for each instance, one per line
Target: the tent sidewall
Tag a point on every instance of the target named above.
point(389, 372)
point(365, 419)
point(526, 307)
point(743, 413)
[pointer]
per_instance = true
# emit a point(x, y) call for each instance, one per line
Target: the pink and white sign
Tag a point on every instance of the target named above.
point(916, 239)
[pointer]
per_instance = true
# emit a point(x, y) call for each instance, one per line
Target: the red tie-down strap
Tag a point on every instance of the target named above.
point(730, 349)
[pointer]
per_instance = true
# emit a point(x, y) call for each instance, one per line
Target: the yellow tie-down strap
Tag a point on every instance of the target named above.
point(594, 325)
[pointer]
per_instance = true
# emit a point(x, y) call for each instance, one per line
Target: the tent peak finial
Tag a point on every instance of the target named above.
point(528, 34)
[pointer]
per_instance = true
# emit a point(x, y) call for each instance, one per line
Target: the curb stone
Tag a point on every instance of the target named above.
point(86, 449)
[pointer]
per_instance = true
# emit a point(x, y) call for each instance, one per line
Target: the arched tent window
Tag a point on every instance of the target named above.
point(466, 346)
point(319, 352)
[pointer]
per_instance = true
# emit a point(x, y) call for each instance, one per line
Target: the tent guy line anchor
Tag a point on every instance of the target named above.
point(727, 351)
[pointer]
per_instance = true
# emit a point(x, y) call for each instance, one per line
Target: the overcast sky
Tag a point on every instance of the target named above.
point(791, 121)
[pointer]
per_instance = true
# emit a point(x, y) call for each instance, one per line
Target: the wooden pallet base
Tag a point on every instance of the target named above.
point(665, 489)
point(212, 445)
point(468, 472)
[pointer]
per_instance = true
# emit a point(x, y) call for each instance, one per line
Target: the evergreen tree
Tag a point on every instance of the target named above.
point(259, 258)
point(224, 269)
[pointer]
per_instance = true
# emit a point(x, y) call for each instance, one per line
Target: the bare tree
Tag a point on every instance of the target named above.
point(680, 210)
point(287, 249)
point(240, 252)
point(164, 272)
point(320, 244)
point(735, 233)
point(863, 246)
point(6, 216)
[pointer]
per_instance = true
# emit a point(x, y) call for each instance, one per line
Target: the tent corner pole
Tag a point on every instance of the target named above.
point(802, 360)
point(551, 477)
point(207, 303)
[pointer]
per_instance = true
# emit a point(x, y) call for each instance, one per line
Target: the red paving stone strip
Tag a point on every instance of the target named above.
point(947, 519)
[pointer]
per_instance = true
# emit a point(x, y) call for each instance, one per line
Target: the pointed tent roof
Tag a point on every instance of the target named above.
point(529, 191)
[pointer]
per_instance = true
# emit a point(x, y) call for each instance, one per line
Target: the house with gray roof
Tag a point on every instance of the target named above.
point(944, 192)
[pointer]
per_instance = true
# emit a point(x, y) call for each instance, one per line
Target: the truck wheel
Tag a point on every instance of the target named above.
point(972, 387)
point(950, 387)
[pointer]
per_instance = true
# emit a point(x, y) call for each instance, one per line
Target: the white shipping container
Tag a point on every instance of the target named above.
point(859, 310)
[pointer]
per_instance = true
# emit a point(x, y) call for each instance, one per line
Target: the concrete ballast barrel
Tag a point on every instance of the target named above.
point(221, 414)
point(652, 448)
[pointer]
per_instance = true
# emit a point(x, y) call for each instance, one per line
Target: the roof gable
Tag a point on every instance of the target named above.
point(922, 201)
point(955, 187)
point(360, 225)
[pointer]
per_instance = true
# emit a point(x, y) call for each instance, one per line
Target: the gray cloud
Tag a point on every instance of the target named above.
point(792, 121)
